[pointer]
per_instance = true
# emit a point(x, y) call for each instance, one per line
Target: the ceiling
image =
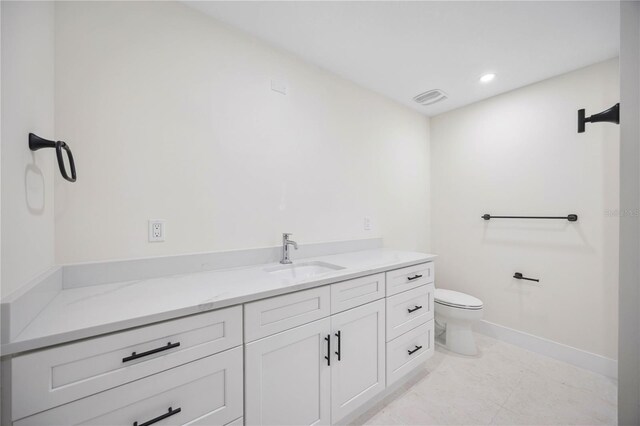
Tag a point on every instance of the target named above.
point(401, 49)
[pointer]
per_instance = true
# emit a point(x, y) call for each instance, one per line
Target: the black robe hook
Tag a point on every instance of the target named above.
point(612, 115)
point(36, 143)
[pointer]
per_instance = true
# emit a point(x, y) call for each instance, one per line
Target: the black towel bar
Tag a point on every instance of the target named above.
point(570, 218)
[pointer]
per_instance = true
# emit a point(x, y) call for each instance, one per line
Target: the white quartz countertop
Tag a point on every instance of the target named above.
point(78, 313)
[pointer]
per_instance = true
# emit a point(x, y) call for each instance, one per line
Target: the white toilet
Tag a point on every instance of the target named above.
point(455, 314)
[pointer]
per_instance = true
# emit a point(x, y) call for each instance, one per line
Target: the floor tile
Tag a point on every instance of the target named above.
point(410, 409)
point(542, 400)
point(572, 376)
point(502, 385)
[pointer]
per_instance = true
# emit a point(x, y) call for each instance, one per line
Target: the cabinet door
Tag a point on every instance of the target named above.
point(358, 373)
point(288, 378)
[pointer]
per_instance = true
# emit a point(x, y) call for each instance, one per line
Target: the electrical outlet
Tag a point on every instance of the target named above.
point(156, 231)
point(367, 223)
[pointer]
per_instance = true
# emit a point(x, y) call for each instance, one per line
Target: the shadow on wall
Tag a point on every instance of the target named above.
point(34, 188)
point(503, 234)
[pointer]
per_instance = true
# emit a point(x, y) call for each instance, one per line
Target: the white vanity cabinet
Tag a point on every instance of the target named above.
point(317, 356)
point(319, 372)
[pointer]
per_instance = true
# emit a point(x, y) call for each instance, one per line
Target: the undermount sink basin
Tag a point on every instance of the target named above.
point(302, 270)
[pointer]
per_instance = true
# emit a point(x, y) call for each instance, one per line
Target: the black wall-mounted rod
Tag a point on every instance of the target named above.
point(570, 218)
point(612, 115)
point(36, 143)
point(519, 276)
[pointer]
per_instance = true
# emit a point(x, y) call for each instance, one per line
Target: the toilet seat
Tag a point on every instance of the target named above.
point(455, 299)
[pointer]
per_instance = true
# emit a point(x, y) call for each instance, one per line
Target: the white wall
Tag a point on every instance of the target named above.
point(27, 106)
point(519, 154)
point(170, 116)
point(629, 341)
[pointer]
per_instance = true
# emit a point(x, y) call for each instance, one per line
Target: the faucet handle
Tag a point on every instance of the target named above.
point(286, 235)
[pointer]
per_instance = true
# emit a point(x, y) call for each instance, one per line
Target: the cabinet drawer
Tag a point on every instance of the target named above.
point(204, 392)
point(51, 377)
point(352, 293)
point(408, 351)
point(411, 277)
point(270, 316)
point(408, 310)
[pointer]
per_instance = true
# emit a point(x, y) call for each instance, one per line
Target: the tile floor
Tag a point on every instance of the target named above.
point(504, 385)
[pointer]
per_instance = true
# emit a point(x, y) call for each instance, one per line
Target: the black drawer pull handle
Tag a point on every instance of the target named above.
point(328, 357)
point(134, 355)
point(414, 309)
point(169, 413)
point(415, 277)
point(411, 352)
point(339, 336)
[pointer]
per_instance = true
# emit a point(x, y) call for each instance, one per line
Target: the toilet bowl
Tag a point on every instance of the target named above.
point(455, 314)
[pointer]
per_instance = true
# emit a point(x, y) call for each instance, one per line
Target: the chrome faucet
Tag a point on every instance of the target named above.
point(286, 242)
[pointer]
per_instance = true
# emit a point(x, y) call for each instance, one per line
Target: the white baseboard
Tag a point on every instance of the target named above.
point(574, 356)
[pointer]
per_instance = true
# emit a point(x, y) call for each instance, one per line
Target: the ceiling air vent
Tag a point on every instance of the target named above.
point(430, 97)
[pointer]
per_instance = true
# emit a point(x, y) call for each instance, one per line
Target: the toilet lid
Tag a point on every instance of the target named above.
point(457, 299)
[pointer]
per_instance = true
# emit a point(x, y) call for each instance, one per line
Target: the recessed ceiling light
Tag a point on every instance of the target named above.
point(487, 78)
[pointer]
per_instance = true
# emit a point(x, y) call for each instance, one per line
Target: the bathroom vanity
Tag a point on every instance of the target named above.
point(264, 344)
